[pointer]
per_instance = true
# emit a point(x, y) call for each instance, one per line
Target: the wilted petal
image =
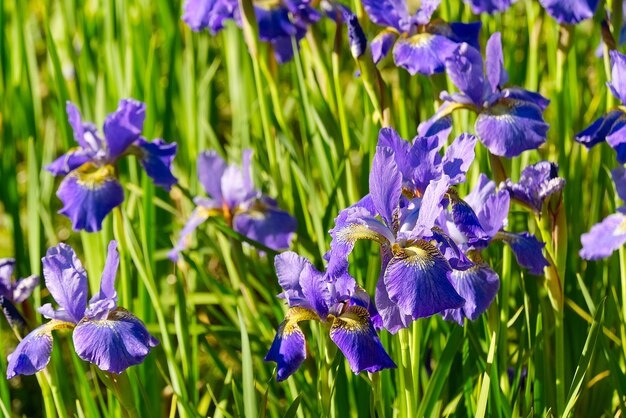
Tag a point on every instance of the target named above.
point(208, 14)
point(124, 126)
point(458, 158)
point(604, 237)
point(115, 343)
point(478, 286)
point(387, 12)
point(465, 69)
point(423, 53)
point(382, 44)
point(272, 227)
point(494, 63)
point(288, 350)
point(156, 159)
point(617, 85)
point(385, 183)
point(66, 280)
point(510, 127)
point(570, 11)
point(69, 161)
point(528, 251)
point(354, 334)
point(417, 281)
point(89, 194)
point(106, 299)
point(211, 167)
point(599, 129)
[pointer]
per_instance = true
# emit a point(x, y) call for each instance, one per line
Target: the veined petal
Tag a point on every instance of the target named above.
point(272, 227)
point(424, 161)
point(449, 249)
point(523, 95)
point(494, 63)
point(437, 125)
point(123, 127)
point(32, 354)
point(604, 237)
point(211, 167)
point(387, 12)
point(115, 343)
point(69, 161)
point(417, 281)
point(66, 280)
point(570, 11)
point(599, 129)
point(527, 249)
point(458, 158)
point(89, 194)
point(288, 350)
point(106, 299)
point(354, 334)
point(198, 216)
point(156, 159)
point(468, 223)
point(423, 53)
point(465, 68)
point(431, 206)
point(481, 192)
point(478, 286)
point(382, 44)
point(385, 183)
point(494, 212)
point(392, 317)
point(208, 14)
point(510, 127)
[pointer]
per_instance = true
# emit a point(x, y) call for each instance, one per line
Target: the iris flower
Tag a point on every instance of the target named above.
point(90, 189)
point(537, 182)
point(570, 12)
point(612, 126)
point(14, 292)
point(610, 234)
point(336, 301)
point(509, 120)
point(420, 45)
point(104, 334)
point(278, 20)
point(245, 209)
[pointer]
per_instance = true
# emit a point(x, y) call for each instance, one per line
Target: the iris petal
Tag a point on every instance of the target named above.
point(465, 68)
point(570, 11)
point(458, 158)
point(494, 63)
point(124, 126)
point(604, 237)
point(106, 299)
point(478, 286)
point(387, 12)
point(385, 183)
point(156, 159)
point(211, 167)
point(208, 14)
point(272, 227)
point(599, 129)
point(198, 216)
point(69, 161)
point(527, 249)
point(423, 53)
point(617, 85)
point(382, 44)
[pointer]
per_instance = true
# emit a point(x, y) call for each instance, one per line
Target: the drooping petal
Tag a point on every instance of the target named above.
point(478, 286)
point(211, 167)
point(387, 12)
point(382, 44)
point(528, 251)
point(115, 343)
point(85, 134)
point(198, 216)
point(354, 334)
point(423, 53)
point(417, 281)
point(23, 288)
point(288, 350)
point(494, 63)
point(523, 95)
point(570, 11)
point(156, 159)
point(385, 183)
point(392, 317)
point(617, 85)
point(465, 68)
point(66, 280)
point(510, 127)
point(123, 127)
point(272, 227)
point(89, 194)
point(69, 161)
point(604, 237)
point(437, 125)
point(537, 182)
point(208, 14)
point(599, 129)
point(106, 299)
point(458, 158)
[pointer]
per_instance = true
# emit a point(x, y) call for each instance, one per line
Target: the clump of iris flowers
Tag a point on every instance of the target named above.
point(244, 208)
point(14, 292)
point(610, 234)
point(510, 120)
point(104, 334)
point(278, 20)
point(420, 45)
point(336, 301)
point(612, 126)
point(90, 189)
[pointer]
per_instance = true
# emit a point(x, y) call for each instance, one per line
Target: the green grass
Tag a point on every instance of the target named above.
point(310, 123)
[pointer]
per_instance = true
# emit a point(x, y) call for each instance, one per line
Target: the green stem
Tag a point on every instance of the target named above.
point(409, 392)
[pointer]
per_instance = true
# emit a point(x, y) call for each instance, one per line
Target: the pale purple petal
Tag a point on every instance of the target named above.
point(423, 53)
point(494, 63)
point(570, 11)
point(385, 183)
point(198, 216)
point(106, 299)
point(211, 167)
point(604, 237)
point(32, 354)
point(465, 69)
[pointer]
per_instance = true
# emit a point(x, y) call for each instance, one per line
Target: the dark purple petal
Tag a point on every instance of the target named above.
point(449, 249)
point(288, 350)
point(272, 227)
point(198, 216)
point(69, 161)
point(617, 85)
point(465, 32)
point(510, 127)
point(85, 134)
point(465, 69)
point(467, 222)
point(489, 6)
point(208, 14)
point(458, 158)
point(570, 11)
point(105, 300)
point(211, 167)
point(66, 280)
point(123, 127)
point(437, 126)
point(156, 159)
point(23, 288)
point(115, 343)
point(617, 140)
point(13, 316)
point(393, 319)
point(417, 281)
point(604, 237)
point(387, 12)
point(619, 179)
point(356, 36)
point(528, 251)
point(494, 63)
point(478, 286)
point(523, 95)
point(382, 44)
point(600, 128)
point(7, 265)
point(89, 194)
point(536, 184)
point(32, 354)
point(354, 334)
point(423, 53)
point(385, 183)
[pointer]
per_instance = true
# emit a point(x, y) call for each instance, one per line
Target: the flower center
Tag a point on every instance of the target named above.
point(91, 176)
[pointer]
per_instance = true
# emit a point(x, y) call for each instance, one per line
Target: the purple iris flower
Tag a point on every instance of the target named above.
point(537, 182)
point(90, 189)
point(420, 45)
point(612, 126)
point(489, 6)
point(14, 292)
point(233, 196)
point(335, 300)
point(570, 12)
point(278, 20)
point(510, 120)
point(610, 234)
point(104, 334)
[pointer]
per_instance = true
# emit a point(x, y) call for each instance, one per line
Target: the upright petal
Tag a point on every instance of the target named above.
point(459, 157)
point(424, 162)
point(465, 69)
point(13, 316)
point(570, 12)
point(89, 194)
point(304, 285)
point(115, 343)
point(481, 192)
point(431, 206)
point(494, 212)
point(123, 127)
point(233, 185)
point(478, 286)
point(288, 350)
point(617, 85)
point(468, 223)
point(106, 299)
point(85, 134)
point(7, 265)
point(494, 63)
point(354, 334)
point(600, 129)
point(417, 281)
point(272, 227)
point(619, 179)
point(387, 12)
point(527, 249)
point(423, 53)
point(156, 158)
point(604, 237)
point(211, 167)
point(385, 183)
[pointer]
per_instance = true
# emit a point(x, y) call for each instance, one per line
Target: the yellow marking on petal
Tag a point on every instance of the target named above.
point(420, 253)
point(53, 325)
point(421, 39)
point(356, 231)
point(621, 229)
point(355, 319)
point(295, 315)
point(267, 4)
point(93, 177)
